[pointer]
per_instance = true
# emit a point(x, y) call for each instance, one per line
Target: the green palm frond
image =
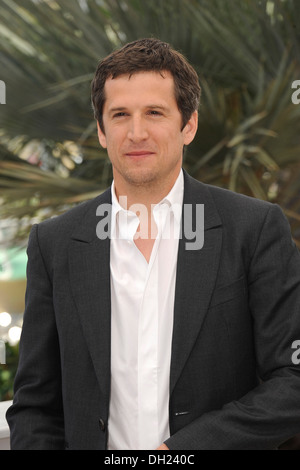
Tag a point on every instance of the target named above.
point(247, 55)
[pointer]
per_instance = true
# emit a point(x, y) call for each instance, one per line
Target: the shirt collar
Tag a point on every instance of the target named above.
point(125, 222)
point(174, 198)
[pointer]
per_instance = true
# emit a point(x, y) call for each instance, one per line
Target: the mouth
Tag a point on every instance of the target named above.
point(139, 154)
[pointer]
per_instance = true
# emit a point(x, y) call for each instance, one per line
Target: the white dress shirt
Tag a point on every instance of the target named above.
point(142, 306)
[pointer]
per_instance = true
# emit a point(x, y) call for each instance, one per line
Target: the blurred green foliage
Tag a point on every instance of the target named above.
point(8, 372)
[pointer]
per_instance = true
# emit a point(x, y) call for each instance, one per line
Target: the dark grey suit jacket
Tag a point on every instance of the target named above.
point(233, 384)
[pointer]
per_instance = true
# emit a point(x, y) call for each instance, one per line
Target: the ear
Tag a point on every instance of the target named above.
point(190, 129)
point(101, 137)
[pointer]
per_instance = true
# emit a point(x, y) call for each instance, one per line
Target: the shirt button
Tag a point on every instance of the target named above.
point(102, 424)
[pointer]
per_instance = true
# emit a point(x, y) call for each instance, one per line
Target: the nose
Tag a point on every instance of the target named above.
point(137, 129)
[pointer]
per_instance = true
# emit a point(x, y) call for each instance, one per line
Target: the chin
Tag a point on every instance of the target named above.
point(140, 178)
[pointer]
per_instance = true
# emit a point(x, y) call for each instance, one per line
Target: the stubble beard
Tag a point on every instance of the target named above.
point(143, 178)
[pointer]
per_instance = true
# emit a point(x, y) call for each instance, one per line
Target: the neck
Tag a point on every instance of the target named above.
point(146, 194)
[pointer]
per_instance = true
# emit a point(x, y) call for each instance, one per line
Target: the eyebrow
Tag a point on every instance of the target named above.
point(123, 108)
point(157, 106)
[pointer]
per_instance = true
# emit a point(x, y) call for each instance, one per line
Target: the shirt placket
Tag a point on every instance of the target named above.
point(148, 355)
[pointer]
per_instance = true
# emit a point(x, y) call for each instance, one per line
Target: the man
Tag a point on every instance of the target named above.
point(133, 337)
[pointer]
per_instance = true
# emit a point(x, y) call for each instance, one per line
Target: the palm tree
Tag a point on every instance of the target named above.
point(245, 51)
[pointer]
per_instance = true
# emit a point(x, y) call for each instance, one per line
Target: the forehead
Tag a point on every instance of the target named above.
point(139, 87)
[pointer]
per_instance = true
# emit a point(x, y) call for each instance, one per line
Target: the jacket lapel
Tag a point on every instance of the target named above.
point(196, 277)
point(89, 271)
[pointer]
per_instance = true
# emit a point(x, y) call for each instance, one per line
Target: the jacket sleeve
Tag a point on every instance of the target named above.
point(269, 414)
point(36, 416)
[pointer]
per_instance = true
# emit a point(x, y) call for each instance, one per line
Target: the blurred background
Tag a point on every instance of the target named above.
point(247, 55)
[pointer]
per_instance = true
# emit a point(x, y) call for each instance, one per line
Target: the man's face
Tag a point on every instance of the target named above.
point(142, 125)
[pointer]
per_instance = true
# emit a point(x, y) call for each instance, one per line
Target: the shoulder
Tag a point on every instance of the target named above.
point(59, 229)
point(242, 217)
point(228, 203)
point(245, 211)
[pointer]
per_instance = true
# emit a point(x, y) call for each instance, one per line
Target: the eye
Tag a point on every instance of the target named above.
point(119, 114)
point(153, 112)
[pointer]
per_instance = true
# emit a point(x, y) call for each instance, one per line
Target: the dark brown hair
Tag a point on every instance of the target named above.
point(146, 55)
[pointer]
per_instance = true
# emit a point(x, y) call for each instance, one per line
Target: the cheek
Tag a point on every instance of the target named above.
point(116, 138)
point(166, 138)
point(111, 142)
point(111, 151)
point(176, 142)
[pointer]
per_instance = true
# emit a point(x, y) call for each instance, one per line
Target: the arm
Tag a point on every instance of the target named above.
point(36, 416)
point(270, 414)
